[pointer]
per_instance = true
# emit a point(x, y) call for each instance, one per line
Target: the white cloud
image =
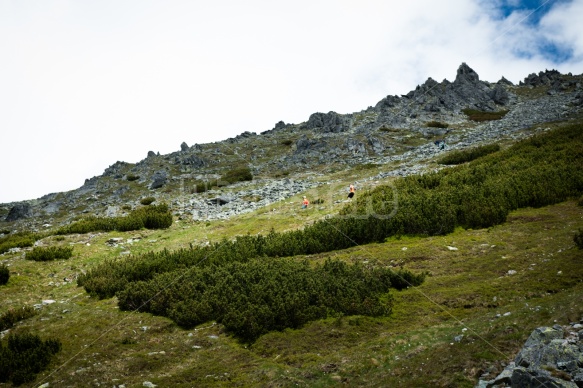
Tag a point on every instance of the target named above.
point(84, 84)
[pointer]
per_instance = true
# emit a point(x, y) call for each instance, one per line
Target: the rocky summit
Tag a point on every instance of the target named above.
point(401, 131)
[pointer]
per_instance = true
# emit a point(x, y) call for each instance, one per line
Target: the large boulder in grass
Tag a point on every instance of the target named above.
point(159, 179)
point(551, 357)
point(19, 211)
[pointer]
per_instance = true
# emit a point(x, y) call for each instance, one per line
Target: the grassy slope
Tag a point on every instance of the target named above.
point(414, 347)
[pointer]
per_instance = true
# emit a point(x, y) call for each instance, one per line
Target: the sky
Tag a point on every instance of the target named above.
point(84, 84)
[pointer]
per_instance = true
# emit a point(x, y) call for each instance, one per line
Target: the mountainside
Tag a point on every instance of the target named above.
point(456, 262)
point(288, 159)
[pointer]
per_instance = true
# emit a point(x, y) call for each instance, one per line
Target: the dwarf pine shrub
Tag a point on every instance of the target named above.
point(436, 124)
point(49, 253)
point(10, 317)
point(4, 275)
point(258, 296)
point(17, 240)
point(478, 115)
point(24, 355)
point(463, 156)
point(238, 175)
point(147, 201)
point(149, 217)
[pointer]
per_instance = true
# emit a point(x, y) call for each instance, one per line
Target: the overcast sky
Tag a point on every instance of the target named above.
point(84, 84)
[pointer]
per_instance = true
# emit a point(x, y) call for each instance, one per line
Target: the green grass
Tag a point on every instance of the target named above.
point(466, 288)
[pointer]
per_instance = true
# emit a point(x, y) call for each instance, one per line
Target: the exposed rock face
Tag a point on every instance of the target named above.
point(190, 160)
point(355, 146)
point(151, 154)
point(376, 144)
point(242, 136)
point(114, 169)
point(304, 144)
point(158, 179)
point(549, 352)
point(327, 122)
point(280, 125)
point(542, 79)
point(500, 95)
point(19, 211)
point(183, 146)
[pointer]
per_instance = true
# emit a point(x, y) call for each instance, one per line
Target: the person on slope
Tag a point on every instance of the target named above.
point(351, 191)
point(305, 202)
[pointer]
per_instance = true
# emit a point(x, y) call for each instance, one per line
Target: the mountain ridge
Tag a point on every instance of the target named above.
point(399, 129)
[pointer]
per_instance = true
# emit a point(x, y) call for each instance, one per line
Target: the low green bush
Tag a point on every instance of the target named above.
point(463, 156)
point(147, 201)
point(287, 142)
point(4, 275)
point(259, 296)
point(17, 240)
point(149, 217)
point(49, 253)
point(10, 317)
point(578, 238)
point(132, 177)
point(436, 124)
point(479, 115)
point(24, 355)
point(238, 175)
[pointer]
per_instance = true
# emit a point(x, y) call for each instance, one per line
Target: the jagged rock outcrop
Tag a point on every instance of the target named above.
point(432, 97)
point(391, 131)
point(115, 169)
point(551, 357)
point(19, 211)
point(546, 78)
point(242, 136)
point(327, 122)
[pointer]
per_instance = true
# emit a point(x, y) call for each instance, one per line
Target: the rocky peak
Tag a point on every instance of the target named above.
point(466, 74)
point(327, 122)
